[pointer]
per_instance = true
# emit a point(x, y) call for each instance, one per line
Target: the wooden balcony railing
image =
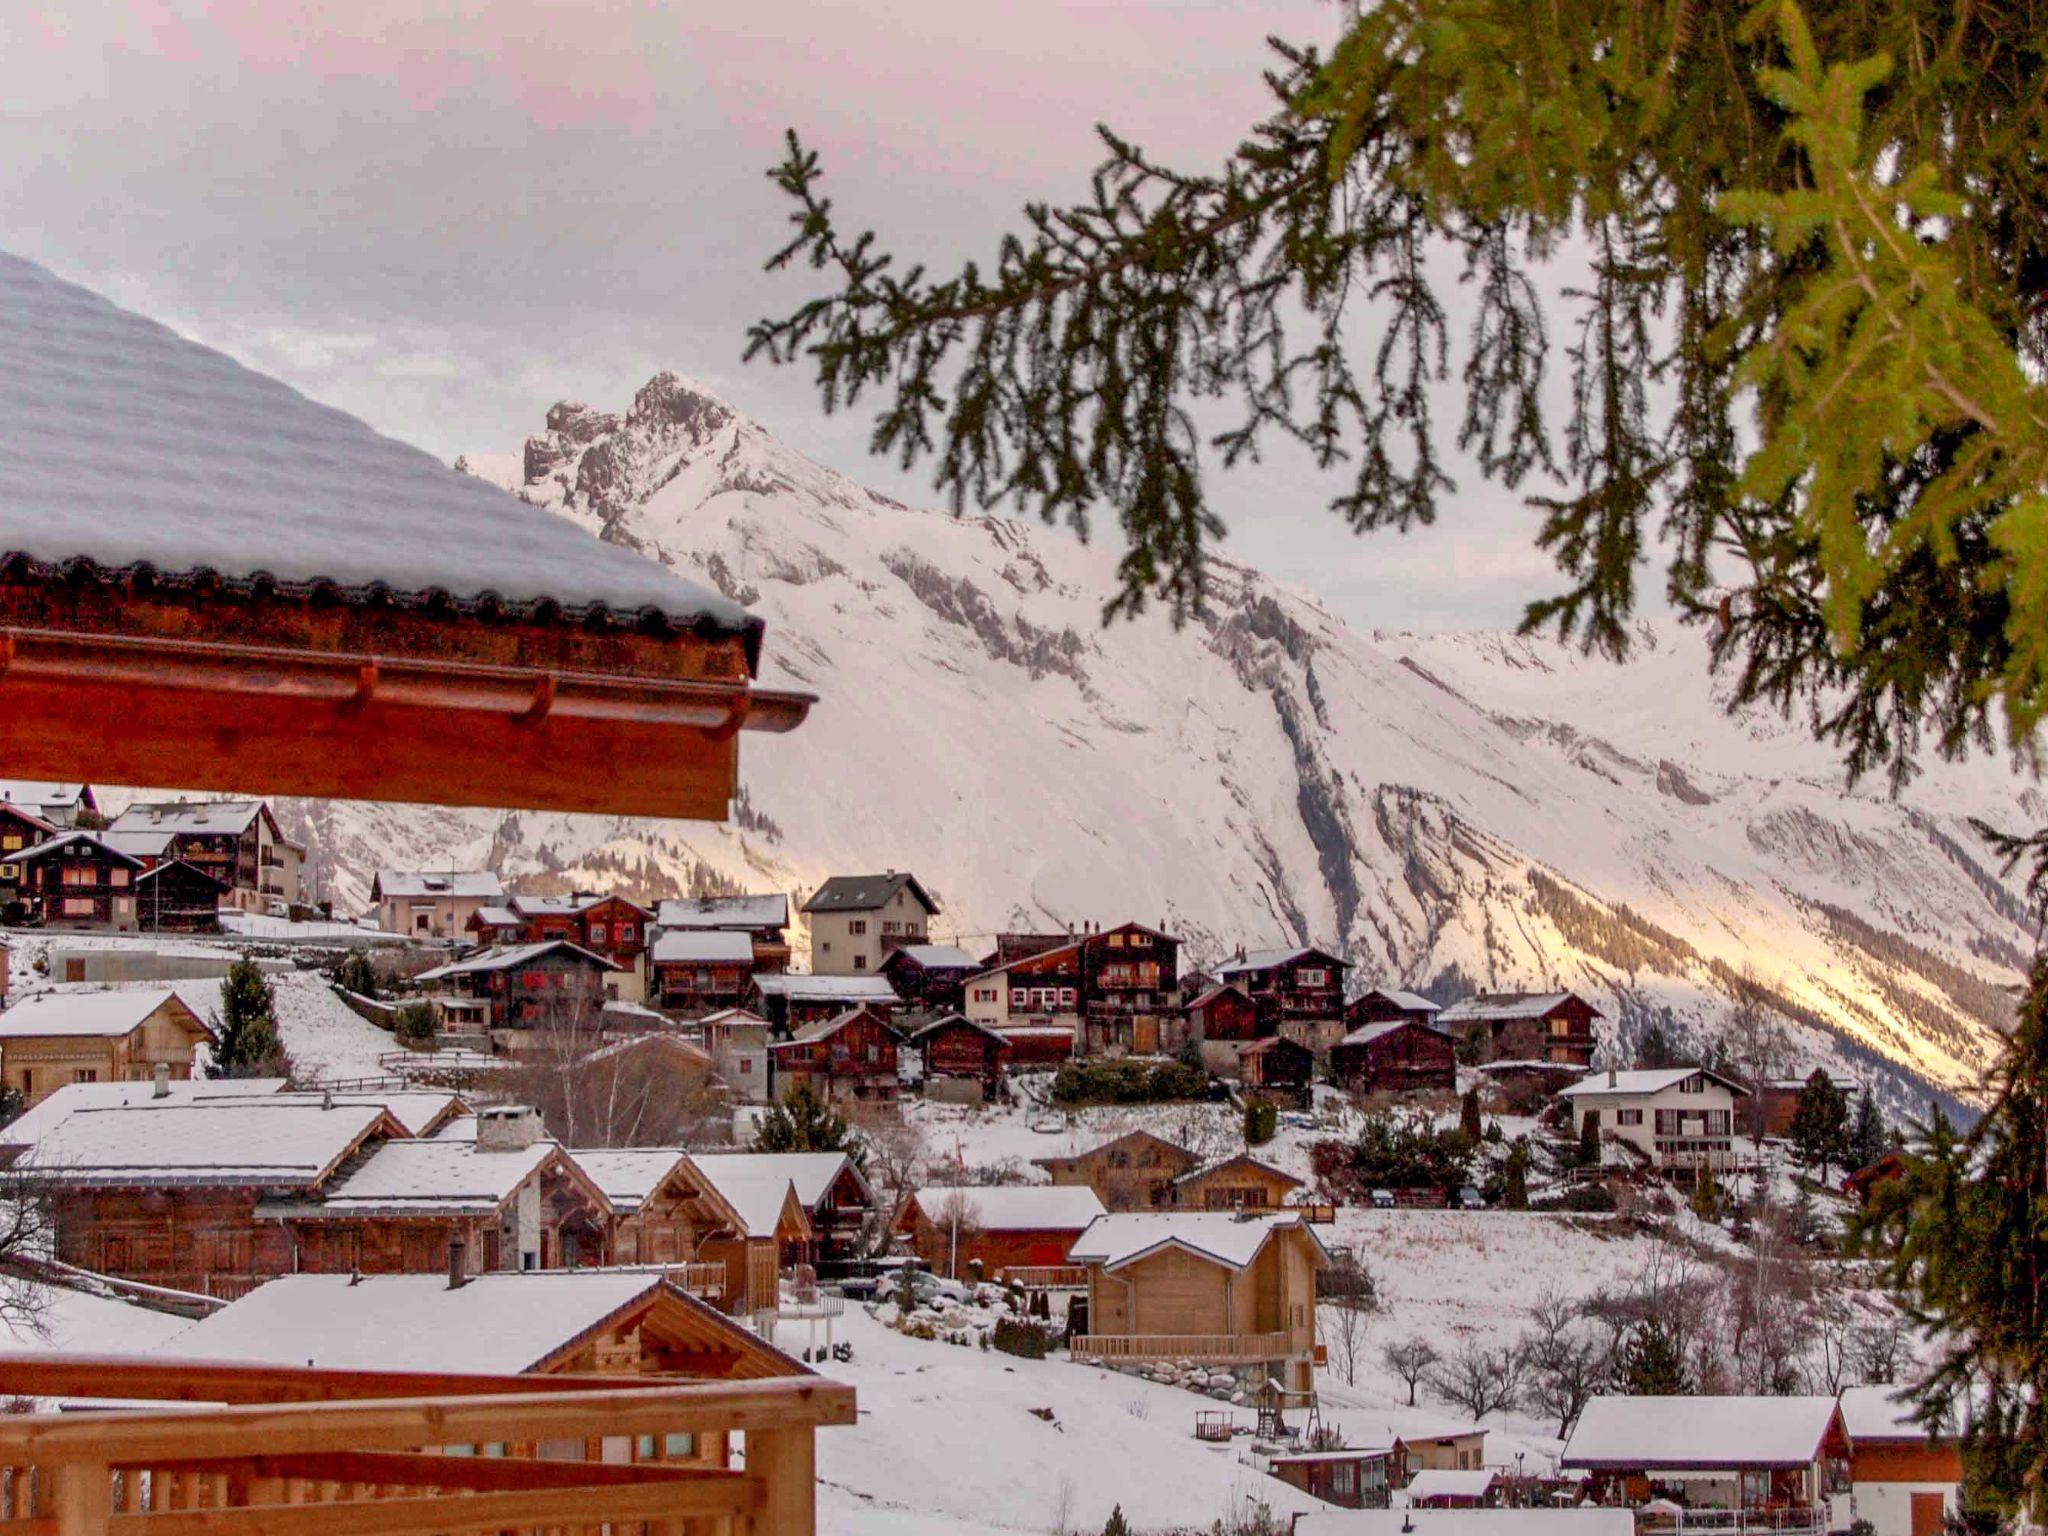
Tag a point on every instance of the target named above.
point(1204, 1348)
point(1046, 1277)
point(705, 1281)
point(352, 1453)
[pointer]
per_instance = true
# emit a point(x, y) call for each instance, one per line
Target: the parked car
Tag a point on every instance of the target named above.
point(867, 1279)
point(930, 1289)
point(1382, 1199)
point(1469, 1199)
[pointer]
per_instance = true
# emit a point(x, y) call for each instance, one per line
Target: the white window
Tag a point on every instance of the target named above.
point(625, 933)
point(1068, 995)
point(119, 877)
point(1312, 977)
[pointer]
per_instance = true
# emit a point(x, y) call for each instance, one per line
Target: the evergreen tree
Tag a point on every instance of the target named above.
point(356, 974)
point(1515, 1177)
point(1589, 1142)
point(1820, 1124)
point(1706, 1195)
point(1648, 1363)
point(1869, 1138)
point(245, 1042)
point(1468, 1116)
point(1261, 1121)
point(1116, 1525)
point(1655, 1047)
point(801, 1121)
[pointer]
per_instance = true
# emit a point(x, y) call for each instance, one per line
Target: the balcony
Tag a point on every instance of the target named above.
point(1786, 1520)
point(1045, 1277)
point(421, 1451)
point(1201, 1348)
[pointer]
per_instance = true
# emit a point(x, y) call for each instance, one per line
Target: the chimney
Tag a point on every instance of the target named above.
point(161, 1081)
point(508, 1128)
point(458, 1263)
point(1612, 1078)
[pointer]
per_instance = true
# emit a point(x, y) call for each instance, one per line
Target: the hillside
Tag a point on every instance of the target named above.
point(1460, 811)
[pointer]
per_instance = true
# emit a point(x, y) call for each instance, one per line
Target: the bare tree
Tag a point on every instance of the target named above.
point(1880, 1349)
point(895, 1164)
point(954, 1227)
point(593, 1089)
point(1755, 1041)
point(1411, 1359)
point(32, 1214)
point(1567, 1360)
point(1479, 1380)
point(1344, 1331)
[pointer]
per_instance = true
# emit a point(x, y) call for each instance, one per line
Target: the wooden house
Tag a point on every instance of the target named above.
point(1395, 1056)
point(764, 919)
point(663, 1206)
point(123, 1035)
point(57, 806)
point(1234, 1292)
point(176, 897)
point(1221, 1019)
point(857, 919)
point(1783, 1460)
point(851, 1055)
point(1524, 1026)
point(1385, 1005)
point(1132, 1172)
point(962, 1060)
point(1440, 1447)
point(527, 986)
point(78, 880)
point(1776, 1102)
point(694, 971)
point(1681, 1119)
point(1351, 1477)
point(837, 1200)
point(1129, 991)
point(1001, 1227)
point(1238, 1183)
point(773, 1234)
point(1036, 991)
point(441, 904)
point(1903, 1480)
point(1863, 1182)
point(738, 1042)
point(610, 926)
point(1277, 1068)
point(1299, 993)
point(929, 977)
point(20, 827)
point(238, 842)
point(790, 1001)
point(1447, 1488)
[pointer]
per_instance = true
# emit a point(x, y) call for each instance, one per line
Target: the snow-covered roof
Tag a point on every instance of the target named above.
point(39, 795)
point(821, 1029)
point(499, 917)
point(1699, 1433)
point(1365, 1034)
point(812, 1173)
point(1467, 1522)
point(946, 957)
point(481, 884)
point(108, 1014)
point(769, 911)
point(1450, 1483)
point(1414, 1002)
point(1015, 1207)
point(506, 957)
point(956, 1020)
point(731, 1018)
point(866, 893)
point(495, 1323)
point(704, 946)
point(629, 1175)
point(1502, 1005)
point(238, 1141)
point(37, 1121)
point(52, 845)
point(139, 842)
point(1203, 1170)
point(827, 989)
point(1124, 1237)
point(189, 818)
point(1261, 960)
point(434, 1175)
point(752, 1185)
point(125, 444)
point(1641, 1083)
point(1880, 1413)
point(1346, 1453)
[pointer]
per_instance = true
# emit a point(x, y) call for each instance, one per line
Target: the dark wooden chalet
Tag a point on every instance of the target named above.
point(695, 971)
point(78, 880)
point(1011, 947)
point(1278, 1068)
point(528, 986)
point(1221, 1019)
point(1554, 1027)
point(928, 977)
point(1299, 993)
point(1130, 991)
point(1395, 1056)
point(763, 918)
point(176, 897)
point(1382, 1005)
point(958, 1050)
point(849, 1056)
point(790, 1000)
point(238, 842)
point(610, 926)
point(20, 828)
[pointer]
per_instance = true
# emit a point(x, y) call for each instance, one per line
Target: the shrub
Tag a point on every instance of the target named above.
point(355, 973)
point(1261, 1120)
point(415, 1024)
point(1584, 1199)
point(1127, 1082)
point(1028, 1341)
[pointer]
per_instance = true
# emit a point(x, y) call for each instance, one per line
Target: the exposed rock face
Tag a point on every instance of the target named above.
point(1455, 811)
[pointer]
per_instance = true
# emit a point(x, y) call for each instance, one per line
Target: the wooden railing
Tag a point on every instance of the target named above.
point(1045, 1277)
point(706, 1281)
point(349, 1453)
point(1205, 1348)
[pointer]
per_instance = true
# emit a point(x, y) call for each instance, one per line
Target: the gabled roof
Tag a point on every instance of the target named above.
point(1699, 1432)
point(734, 1018)
point(748, 912)
point(827, 989)
point(934, 957)
point(956, 1021)
point(1267, 959)
point(37, 1121)
point(1219, 1164)
point(629, 1176)
point(109, 1014)
point(438, 1175)
point(1881, 1414)
point(191, 869)
point(1642, 1083)
point(1365, 1034)
point(761, 1193)
point(1124, 1237)
point(1495, 1007)
point(824, 1029)
point(31, 813)
point(1414, 1002)
point(1013, 1207)
point(703, 946)
point(1038, 958)
point(1116, 1141)
point(239, 1142)
point(1220, 990)
point(811, 1174)
point(481, 884)
point(509, 957)
point(497, 917)
point(40, 795)
point(190, 818)
point(52, 845)
point(867, 893)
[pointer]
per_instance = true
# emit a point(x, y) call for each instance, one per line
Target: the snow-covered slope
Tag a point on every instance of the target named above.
point(1476, 809)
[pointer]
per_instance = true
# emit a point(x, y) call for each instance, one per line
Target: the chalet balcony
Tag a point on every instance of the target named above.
point(1786, 1520)
point(301, 1452)
point(1045, 1277)
point(706, 1282)
point(1202, 1348)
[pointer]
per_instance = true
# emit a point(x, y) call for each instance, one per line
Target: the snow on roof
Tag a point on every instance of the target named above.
point(1467, 1522)
point(1347, 1453)
point(57, 1317)
point(1014, 1207)
point(1365, 1034)
point(1125, 1236)
point(953, 1021)
point(139, 842)
point(1640, 1083)
point(1261, 960)
point(812, 1173)
point(821, 1029)
point(506, 957)
point(866, 893)
point(704, 946)
point(499, 917)
point(1203, 1170)
point(730, 1018)
point(753, 1185)
point(770, 911)
point(36, 1122)
point(237, 1141)
point(207, 465)
point(1503, 1005)
point(629, 1175)
point(496, 1323)
point(436, 1175)
point(1413, 1001)
point(42, 794)
point(105, 1014)
point(1881, 1413)
point(1447, 1483)
point(49, 846)
point(1708, 1433)
point(938, 957)
point(480, 883)
point(189, 818)
point(827, 989)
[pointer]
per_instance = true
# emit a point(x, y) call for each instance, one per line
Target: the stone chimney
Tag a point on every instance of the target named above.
point(458, 1263)
point(1613, 1078)
point(161, 1081)
point(508, 1128)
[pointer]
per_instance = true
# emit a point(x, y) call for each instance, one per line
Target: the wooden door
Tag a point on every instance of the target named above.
point(1927, 1514)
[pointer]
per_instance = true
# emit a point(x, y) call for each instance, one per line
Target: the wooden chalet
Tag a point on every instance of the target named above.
point(1000, 1228)
point(1385, 1005)
point(1351, 1477)
point(20, 827)
point(1903, 1479)
point(1299, 993)
point(1132, 1172)
point(1777, 1101)
point(526, 986)
point(238, 842)
point(962, 1059)
point(1460, 1488)
point(1040, 990)
point(738, 1042)
point(610, 926)
point(125, 1035)
point(1774, 1461)
point(694, 971)
point(666, 1211)
point(851, 1055)
point(1402, 1055)
point(1863, 1183)
point(764, 919)
point(1277, 1068)
point(59, 806)
point(76, 880)
point(264, 585)
point(1227, 1290)
point(1239, 1183)
point(773, 1233)
point(1524, 1026)
point(790, 1001)
point(1221, 1019)
point(836, 1198)
point(929, 977)
point(177, 897)
point(1130, 991)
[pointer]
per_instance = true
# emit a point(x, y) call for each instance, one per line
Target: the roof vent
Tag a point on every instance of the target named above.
point(458, 1263)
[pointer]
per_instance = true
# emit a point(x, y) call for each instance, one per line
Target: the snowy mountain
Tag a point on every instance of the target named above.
point(1472, 810)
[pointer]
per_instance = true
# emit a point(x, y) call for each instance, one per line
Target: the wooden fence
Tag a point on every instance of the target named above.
point(1204, 1348)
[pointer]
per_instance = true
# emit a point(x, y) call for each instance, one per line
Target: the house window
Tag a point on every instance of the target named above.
point(11, 841)
point(857, 926)
point(1312, 976)
point(1116, 941)
point(597, 932)
point(1628, 1117)
point(1067, 996)
point(78, 906)
point(77, 874)
point(860, 962)
point(1019, 998)
point(626, 933)
point(85, 1075)
point(118, 876)
point(746, 1066)
point(1694, 1084)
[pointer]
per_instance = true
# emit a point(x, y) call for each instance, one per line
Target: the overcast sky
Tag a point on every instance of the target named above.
point(444, 215)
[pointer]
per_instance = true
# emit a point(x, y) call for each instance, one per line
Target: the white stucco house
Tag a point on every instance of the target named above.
point(1680, 1118)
